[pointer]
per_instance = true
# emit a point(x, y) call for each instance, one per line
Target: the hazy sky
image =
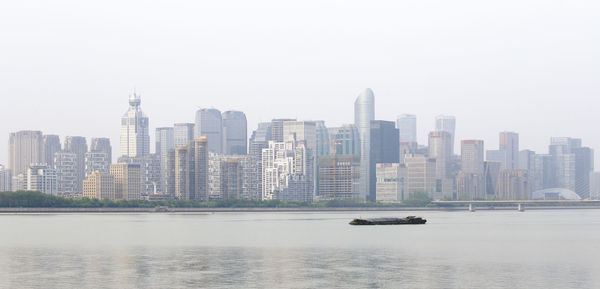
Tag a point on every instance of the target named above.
point(67, 67)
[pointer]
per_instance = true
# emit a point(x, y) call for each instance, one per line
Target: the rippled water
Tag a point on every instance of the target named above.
point(485, 249)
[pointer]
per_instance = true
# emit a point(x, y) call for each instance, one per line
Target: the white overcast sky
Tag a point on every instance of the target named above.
point(67, 67)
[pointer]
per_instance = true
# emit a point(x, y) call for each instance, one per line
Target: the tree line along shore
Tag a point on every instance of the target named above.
point(33, 199)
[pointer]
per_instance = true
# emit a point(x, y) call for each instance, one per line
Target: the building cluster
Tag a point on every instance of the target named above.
point(213, 158)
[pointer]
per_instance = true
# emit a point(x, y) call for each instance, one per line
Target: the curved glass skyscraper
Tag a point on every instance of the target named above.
point(364, 113)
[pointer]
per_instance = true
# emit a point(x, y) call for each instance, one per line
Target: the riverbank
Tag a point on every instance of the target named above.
point(164, 210)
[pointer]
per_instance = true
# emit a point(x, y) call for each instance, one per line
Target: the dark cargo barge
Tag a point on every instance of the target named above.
point(410, 220)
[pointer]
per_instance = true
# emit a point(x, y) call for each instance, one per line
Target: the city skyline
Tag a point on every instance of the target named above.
point(422, 133)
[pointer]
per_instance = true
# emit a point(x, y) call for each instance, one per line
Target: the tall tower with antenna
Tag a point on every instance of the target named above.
point(135, 137)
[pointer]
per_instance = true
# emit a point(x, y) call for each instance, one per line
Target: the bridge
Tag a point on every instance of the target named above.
point(520, 204)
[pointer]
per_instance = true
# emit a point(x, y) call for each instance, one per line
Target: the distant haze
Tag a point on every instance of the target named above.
point(533, 67)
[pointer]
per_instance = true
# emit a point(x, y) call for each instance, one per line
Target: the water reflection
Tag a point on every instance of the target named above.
point(222, 267)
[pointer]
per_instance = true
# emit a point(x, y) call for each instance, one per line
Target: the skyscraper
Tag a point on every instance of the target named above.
point(5, 179)
point(470, 181)
point(101, 145)
point(183, 133)
point(66, 164)
point(51, 146)
point(135, 137)
point(304, 133)
point(277, 128)
point(235, 133)
point(346, 140)
point(509, 142)
point(339, 177)
point(127, 181)
point(440, 149)
point(78, 146)
point(210, 124)
point(364, 113)
point(407, 127)
point(99, 185)
point(446, 123)
point(189, 170)
point(165, 141)
point(384, 149)
point(471, 153)
point(323, 145)
point(24, 149)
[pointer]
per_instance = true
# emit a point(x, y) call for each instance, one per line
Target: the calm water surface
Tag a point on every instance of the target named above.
point(485, 249)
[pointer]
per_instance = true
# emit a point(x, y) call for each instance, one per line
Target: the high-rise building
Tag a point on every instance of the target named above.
point(149, 171)
point(101, 145)
point(127, 179)
point(391, 181)
point(543, 174)
point(407, 128)
point(41, 178)
point(165, 141)
point(305, 133)
point(513, 185)
point(78, 146)
point(339, 177)
point(470, 181)
point(258, 141)
point(446, 123)
point(364, 113)
point(277, 128)
point(99, 185)
point(233, 177)
point(235, 133)
point(383, 149)
point(563, 151)
point(135, 136)
point(210, 124)
point(97, 161)
point(509, 142)
point(421, 176)
point(24, 149)
point(584, 165)
point(346, 140)
point(440, 144)
point(323, 144)
point(595, 185)
point(285, 172)
point(5, 179)
point(51, 146)
point(66, 165)
point(471, 153)
point(492, 172)
point(498, 156)
point(189, 170)
point(526, 160)
point(183, 134)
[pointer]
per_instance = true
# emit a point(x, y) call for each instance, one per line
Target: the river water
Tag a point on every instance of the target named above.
point(483, 249)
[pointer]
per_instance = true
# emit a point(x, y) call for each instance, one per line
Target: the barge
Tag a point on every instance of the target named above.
point(410, 220)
